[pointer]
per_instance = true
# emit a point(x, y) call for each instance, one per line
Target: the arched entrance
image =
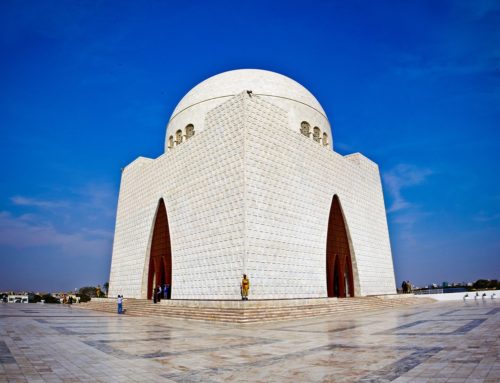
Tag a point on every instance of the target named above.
point(160, 258)
point(339, 276)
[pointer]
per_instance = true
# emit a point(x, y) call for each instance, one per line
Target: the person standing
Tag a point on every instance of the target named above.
point(120, 304)
point(158, 291)
point(167, 291)
point(245, 286)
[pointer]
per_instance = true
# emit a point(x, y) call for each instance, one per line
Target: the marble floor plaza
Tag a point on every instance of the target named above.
point(440, 342)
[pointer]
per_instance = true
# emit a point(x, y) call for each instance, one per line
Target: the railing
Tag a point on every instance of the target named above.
point(429, 291)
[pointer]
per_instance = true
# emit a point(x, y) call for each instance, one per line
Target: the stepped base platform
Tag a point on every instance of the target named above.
point(253, 311)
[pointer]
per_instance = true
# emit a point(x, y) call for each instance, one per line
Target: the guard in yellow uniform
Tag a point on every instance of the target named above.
point(245, 286)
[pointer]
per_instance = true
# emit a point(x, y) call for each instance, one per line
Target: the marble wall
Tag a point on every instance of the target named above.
point(250, 194)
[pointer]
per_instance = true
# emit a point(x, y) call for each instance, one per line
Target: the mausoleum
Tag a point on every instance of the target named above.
point(250, 184)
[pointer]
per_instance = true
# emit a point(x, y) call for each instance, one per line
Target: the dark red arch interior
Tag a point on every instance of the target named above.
point(160, 260)
point(339, 276)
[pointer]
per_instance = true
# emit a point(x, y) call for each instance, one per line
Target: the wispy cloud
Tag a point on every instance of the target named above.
point(21, 233)
point(478, 10)
point(39, 203)
point(405, 213)
point(93, 198)
point(400, 177)
point(415, 65)
point(79, 224)
point(483, 216)
point(99, 198)
point(474, 51)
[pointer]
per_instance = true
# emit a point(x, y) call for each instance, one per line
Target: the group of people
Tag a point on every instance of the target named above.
point(67, 300)
point(406, 287)
point(161, 292)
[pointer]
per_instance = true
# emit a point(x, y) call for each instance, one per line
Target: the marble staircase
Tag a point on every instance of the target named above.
point(253, 311)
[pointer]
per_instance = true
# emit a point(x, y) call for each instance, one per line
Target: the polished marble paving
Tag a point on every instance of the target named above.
point(441, 342)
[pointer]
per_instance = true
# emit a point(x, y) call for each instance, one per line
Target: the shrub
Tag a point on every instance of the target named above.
point(50, 299)
point(35, 298)
point(83, 298)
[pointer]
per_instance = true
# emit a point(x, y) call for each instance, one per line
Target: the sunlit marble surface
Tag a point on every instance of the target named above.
point(441, 342)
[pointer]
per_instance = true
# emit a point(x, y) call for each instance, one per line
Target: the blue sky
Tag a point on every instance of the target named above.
point(88, 86)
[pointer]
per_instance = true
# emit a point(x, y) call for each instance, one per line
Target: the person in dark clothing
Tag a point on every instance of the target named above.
point(158, 292)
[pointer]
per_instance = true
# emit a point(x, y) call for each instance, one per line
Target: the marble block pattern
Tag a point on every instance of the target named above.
point(251, 194)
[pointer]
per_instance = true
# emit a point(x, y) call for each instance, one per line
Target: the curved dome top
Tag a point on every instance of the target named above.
point(260, 82)
point(304, 113)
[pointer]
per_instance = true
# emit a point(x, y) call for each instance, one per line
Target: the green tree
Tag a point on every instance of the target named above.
point(482, 284)
point(50, 299)
point(36, 298)
point(88, 290)
point(83, 297)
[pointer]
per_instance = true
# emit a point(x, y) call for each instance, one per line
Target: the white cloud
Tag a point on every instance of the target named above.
point(19, 233)
point(92, 200)
point(483, 216)
point(100, 198)
point(400, 177)
point(78, 225)
point(33, 202)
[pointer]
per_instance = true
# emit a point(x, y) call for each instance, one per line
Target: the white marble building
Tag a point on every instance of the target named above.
point(250, 183)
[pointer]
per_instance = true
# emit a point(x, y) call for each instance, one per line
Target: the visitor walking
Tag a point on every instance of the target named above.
point(245, 286)
point(120, 304)
point(158, 292)
point(404, 287)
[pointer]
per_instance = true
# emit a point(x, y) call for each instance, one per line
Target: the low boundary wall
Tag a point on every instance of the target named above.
point(467, 295)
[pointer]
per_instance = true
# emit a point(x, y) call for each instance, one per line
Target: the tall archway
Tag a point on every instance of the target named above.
point(160, 258)
point(339, 275)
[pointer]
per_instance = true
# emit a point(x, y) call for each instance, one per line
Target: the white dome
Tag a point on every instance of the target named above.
point(260, 82)
point(273, 87)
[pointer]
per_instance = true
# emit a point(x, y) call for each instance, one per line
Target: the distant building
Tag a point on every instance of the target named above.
point(250, 184)
point(18, 298)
